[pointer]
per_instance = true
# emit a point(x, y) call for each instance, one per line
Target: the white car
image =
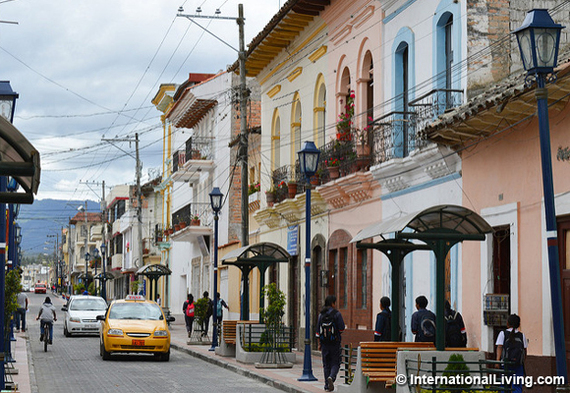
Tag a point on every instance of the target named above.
point(81, 314)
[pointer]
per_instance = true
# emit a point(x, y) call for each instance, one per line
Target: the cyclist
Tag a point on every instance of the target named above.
point(47, 314)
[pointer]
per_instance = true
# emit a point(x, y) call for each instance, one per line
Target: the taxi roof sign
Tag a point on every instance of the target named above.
point(135, 297)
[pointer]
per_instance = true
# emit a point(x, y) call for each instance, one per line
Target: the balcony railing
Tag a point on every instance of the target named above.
point(199, 148)
point(397, 134)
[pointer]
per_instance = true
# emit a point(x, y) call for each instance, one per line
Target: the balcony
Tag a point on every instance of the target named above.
point(200, 223)
point(397, 134)
point(117, 262)
point(198, 157)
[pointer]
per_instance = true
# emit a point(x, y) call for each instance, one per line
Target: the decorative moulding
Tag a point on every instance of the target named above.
point(293, 75)
point(274, 90)
point(363, 16)
point(268, 216)
point(316, 55)
point(354, 188)
point(341, 34)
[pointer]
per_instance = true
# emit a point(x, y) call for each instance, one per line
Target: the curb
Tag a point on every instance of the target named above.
point(241, 371)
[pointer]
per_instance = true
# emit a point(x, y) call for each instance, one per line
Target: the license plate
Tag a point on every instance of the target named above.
point(138, 342)
point(90, 326)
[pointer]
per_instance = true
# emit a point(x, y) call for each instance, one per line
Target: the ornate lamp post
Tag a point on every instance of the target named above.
point(538, 40)
point(95, 255)
point(308, 163)
point(216, 198)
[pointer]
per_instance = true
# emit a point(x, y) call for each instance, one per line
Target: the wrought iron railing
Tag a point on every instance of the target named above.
point(394, 135)
point(199, 148)
point(435, 103)
point(261, 338)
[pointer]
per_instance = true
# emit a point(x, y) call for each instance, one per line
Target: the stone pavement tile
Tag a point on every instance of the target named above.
point(20, 354)
point(284, 379)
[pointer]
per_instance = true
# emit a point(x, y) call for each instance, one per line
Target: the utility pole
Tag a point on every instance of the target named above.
point(243, 149)
point(243, 137)
point(139, 192)
point(104, 241)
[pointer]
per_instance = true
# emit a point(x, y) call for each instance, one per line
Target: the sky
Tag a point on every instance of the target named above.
point(87, 70)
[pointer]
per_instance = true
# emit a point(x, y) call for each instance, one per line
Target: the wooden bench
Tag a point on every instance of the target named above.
point(229, 331)
point(378, 359)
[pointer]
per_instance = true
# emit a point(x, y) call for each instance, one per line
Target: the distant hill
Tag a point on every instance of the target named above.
point(47, 217)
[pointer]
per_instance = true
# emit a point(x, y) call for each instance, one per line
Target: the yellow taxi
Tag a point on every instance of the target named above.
point(135, 324)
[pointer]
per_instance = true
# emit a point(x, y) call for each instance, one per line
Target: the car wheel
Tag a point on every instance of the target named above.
point(166, 356)
point(106, 355)
point(66, 332)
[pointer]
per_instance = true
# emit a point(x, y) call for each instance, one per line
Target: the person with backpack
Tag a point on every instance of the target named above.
point(209, 312)
point(423, 321)
point(455, 333)
point(188, 310)
point(383, 328)
point(511, 348)
point(329, 329)
point(219, 311)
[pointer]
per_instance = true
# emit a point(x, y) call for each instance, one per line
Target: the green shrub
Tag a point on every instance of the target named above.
point(456, 366)
point(201, 309)
point(78, 289)
point(12, 288)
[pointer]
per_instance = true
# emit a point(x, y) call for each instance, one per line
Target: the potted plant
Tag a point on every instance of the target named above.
point(159, 235)
point(332, 165)
point(344, 123)
point(292, 189)
point(253, 188)
point(182, 224)
point(195, 220)
point(270, 196)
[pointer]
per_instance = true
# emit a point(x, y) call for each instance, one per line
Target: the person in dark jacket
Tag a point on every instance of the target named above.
point(383, 329)
point(423, 321)
point(455, 333)
point(330, 347)
point(189, 314)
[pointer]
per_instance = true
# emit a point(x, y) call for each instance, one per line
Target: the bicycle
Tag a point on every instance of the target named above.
point(45, 325)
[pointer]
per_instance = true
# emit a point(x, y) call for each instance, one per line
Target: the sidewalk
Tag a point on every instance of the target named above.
point(20, 355)
point(283, 379)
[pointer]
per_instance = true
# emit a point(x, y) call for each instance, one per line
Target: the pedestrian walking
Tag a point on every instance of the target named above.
point(455, 333)
point(383, 328)
point(209, 312)
point(423, 321)
point(511, 348)
point(158, 300)
point(188, 310)
point(22, 300)
point(219, 312)
point(330, 326)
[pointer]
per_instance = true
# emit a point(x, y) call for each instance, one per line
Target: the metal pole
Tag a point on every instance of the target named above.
point(307, 363)
point(215, 313)
point(139, 203)
point(551, 233)
point(103, 260)
point(86, 249)
point(3, 186)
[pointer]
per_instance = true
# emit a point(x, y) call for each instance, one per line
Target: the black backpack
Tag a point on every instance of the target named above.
point(513, 349)
point(427, 327)
point(387, 331)
point(328, 331)
point(453, 336)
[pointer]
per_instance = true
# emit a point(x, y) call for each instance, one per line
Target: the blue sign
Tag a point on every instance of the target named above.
point(292, 239)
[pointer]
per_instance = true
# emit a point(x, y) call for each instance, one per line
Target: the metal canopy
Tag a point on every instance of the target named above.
point(458, 219)
point(154, 270)
point(105, 276)
point(20, 160)
point(260, 255)
point(440, 228)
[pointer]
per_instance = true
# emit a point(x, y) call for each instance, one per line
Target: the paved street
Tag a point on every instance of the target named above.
point(74, 364)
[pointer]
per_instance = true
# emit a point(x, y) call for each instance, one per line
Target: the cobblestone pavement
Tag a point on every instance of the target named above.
point(74, 364)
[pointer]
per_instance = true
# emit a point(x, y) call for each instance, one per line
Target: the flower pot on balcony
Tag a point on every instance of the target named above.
point(363, 163)
point(195, 222)
point(362, 150)
point(315, 181)
point(176, 227)
point(292, 190)
point(270, 198)
point(158, 239)
point(182, 225)
point(333, 172)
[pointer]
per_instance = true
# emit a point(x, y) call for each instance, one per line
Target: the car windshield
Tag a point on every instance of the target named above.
point(142, 311)
point(88, 305)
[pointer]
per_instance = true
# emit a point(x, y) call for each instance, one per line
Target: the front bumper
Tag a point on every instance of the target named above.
point(136, 344)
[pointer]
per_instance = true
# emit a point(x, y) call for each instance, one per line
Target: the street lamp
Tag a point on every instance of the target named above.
point(7, 101)
point(95, 256)
point(103, 263)
point(538, 40)
point(308, 163)
point(216, 198)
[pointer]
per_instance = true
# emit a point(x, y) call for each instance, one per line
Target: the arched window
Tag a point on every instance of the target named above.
point(295, 127)
point(367, 77)
point(320, 111)
point(276, 140)
point(344, 90)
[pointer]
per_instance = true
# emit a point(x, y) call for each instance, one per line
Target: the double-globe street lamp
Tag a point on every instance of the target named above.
point(538, 39)
point(216, 198)
point(308, 163)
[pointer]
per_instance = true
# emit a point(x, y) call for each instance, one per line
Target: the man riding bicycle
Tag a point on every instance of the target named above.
point(47, 314)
